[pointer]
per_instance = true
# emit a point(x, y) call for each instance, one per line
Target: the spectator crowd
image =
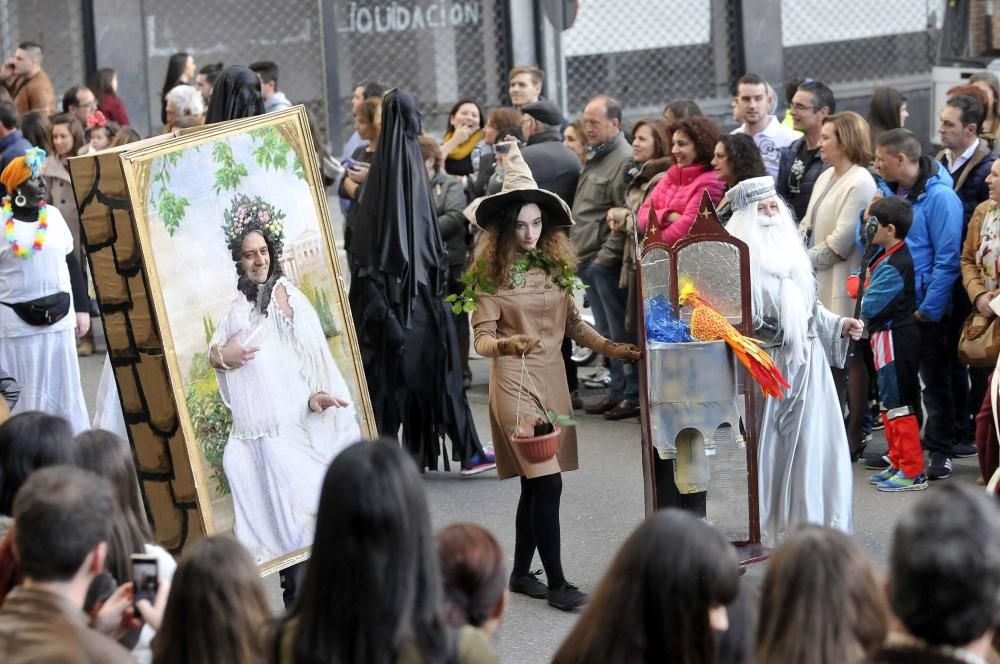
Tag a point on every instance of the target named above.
point(920, 231)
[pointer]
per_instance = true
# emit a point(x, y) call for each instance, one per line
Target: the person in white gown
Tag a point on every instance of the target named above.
point(39, 352)
point(290, 405)
point(803, 456)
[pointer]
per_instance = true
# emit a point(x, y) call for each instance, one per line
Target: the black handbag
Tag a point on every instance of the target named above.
point(44, 311)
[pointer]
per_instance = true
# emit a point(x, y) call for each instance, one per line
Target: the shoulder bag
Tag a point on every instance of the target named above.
point(979, 345)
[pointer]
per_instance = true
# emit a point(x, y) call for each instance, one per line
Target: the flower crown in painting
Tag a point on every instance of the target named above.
point(252, 214)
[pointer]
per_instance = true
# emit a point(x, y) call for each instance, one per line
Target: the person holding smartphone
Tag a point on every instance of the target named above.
point(366, 122)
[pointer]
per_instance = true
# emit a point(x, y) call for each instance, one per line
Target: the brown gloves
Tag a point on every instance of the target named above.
point(517, 345)
point(585, 335)
point(619, 351)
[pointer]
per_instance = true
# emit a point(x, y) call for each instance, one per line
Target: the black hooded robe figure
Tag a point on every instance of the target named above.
point(399, 274)
point(236, 95)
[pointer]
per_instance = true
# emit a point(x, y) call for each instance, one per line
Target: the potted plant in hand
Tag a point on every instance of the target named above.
point(537, 435)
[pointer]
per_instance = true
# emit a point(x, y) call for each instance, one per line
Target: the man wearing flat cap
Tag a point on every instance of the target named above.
point(556, 169)
point(554, 165)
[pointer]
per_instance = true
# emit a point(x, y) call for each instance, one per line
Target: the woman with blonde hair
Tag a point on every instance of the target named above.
point(830, 226)
point(821, 602)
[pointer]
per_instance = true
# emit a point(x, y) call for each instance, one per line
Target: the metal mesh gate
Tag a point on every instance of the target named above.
point(441, 51)
point(852, 40)
point(647, 52)
point(234, 32)
point(55, 24)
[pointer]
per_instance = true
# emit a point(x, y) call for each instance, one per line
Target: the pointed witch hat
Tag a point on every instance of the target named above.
point(519, 187)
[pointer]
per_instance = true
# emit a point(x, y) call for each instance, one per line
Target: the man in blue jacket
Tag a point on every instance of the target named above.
point(935, 242)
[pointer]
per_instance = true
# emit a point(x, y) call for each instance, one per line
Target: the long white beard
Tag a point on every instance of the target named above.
point(781, 275)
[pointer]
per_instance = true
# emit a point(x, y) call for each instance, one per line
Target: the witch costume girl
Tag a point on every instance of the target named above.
point(521, 288)
point(290, 405)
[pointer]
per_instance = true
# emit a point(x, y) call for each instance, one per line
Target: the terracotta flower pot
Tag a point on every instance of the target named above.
point(538, 449)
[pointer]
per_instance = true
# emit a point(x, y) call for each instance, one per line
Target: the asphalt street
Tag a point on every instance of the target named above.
point(601, 504)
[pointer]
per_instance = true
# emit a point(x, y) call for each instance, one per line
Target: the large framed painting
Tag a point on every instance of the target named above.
point(228, 328)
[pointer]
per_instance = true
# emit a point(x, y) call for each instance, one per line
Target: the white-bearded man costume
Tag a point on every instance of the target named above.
point(803, 458)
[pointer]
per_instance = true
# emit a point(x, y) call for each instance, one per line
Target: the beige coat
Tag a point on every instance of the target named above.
point(539, 309)
point(834, 222)
point(59, 192)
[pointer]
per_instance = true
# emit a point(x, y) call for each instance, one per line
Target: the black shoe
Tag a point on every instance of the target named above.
point(858, 450)
point(939, 467)
point(528, 585)
point(600, 407)
point(875, 461)
point(623, 410)
point(963, 450)
point(567, 597)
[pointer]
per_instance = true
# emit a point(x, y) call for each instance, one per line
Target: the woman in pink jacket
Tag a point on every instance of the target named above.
point(676, 198)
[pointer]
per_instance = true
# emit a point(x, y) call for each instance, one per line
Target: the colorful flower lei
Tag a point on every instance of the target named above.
point(476, 281)
point(245, 214)
point(7, 213)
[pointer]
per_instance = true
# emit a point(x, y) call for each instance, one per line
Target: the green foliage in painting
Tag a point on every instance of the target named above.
point(171, 209)
point(230, 172)
point(210, 418)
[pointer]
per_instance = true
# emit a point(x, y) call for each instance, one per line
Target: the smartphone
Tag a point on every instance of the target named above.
point(145, 577)
point(349, 163)
point(502, 148)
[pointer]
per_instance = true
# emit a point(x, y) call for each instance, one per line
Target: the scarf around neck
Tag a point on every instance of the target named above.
point(988, 251)
point(466, 148)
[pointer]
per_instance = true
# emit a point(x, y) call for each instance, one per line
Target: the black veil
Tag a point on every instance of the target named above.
point(399, 270)
point(236, 95)
point(399, 236)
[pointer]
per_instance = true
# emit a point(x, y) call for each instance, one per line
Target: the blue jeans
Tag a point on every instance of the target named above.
point(607, 301)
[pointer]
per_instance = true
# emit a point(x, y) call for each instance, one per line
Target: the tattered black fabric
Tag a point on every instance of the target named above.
point(399, 273)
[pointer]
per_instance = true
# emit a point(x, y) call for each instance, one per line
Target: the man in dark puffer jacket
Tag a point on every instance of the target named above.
point(968, 158)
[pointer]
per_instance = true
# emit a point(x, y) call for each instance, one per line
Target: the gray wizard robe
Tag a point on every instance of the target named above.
point(803, 458)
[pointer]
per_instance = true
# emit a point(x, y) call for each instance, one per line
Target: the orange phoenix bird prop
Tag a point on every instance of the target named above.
point(707, 324)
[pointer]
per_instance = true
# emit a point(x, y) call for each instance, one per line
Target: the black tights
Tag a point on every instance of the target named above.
point(852, 388)
point(537, 525)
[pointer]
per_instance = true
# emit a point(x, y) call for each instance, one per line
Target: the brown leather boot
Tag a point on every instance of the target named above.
point(85, 345)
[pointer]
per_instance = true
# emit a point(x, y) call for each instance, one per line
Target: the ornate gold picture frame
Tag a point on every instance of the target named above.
point(166, 224)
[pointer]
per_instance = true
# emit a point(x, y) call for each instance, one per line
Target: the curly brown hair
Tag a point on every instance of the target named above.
point(703, 133)
point(497, 246)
